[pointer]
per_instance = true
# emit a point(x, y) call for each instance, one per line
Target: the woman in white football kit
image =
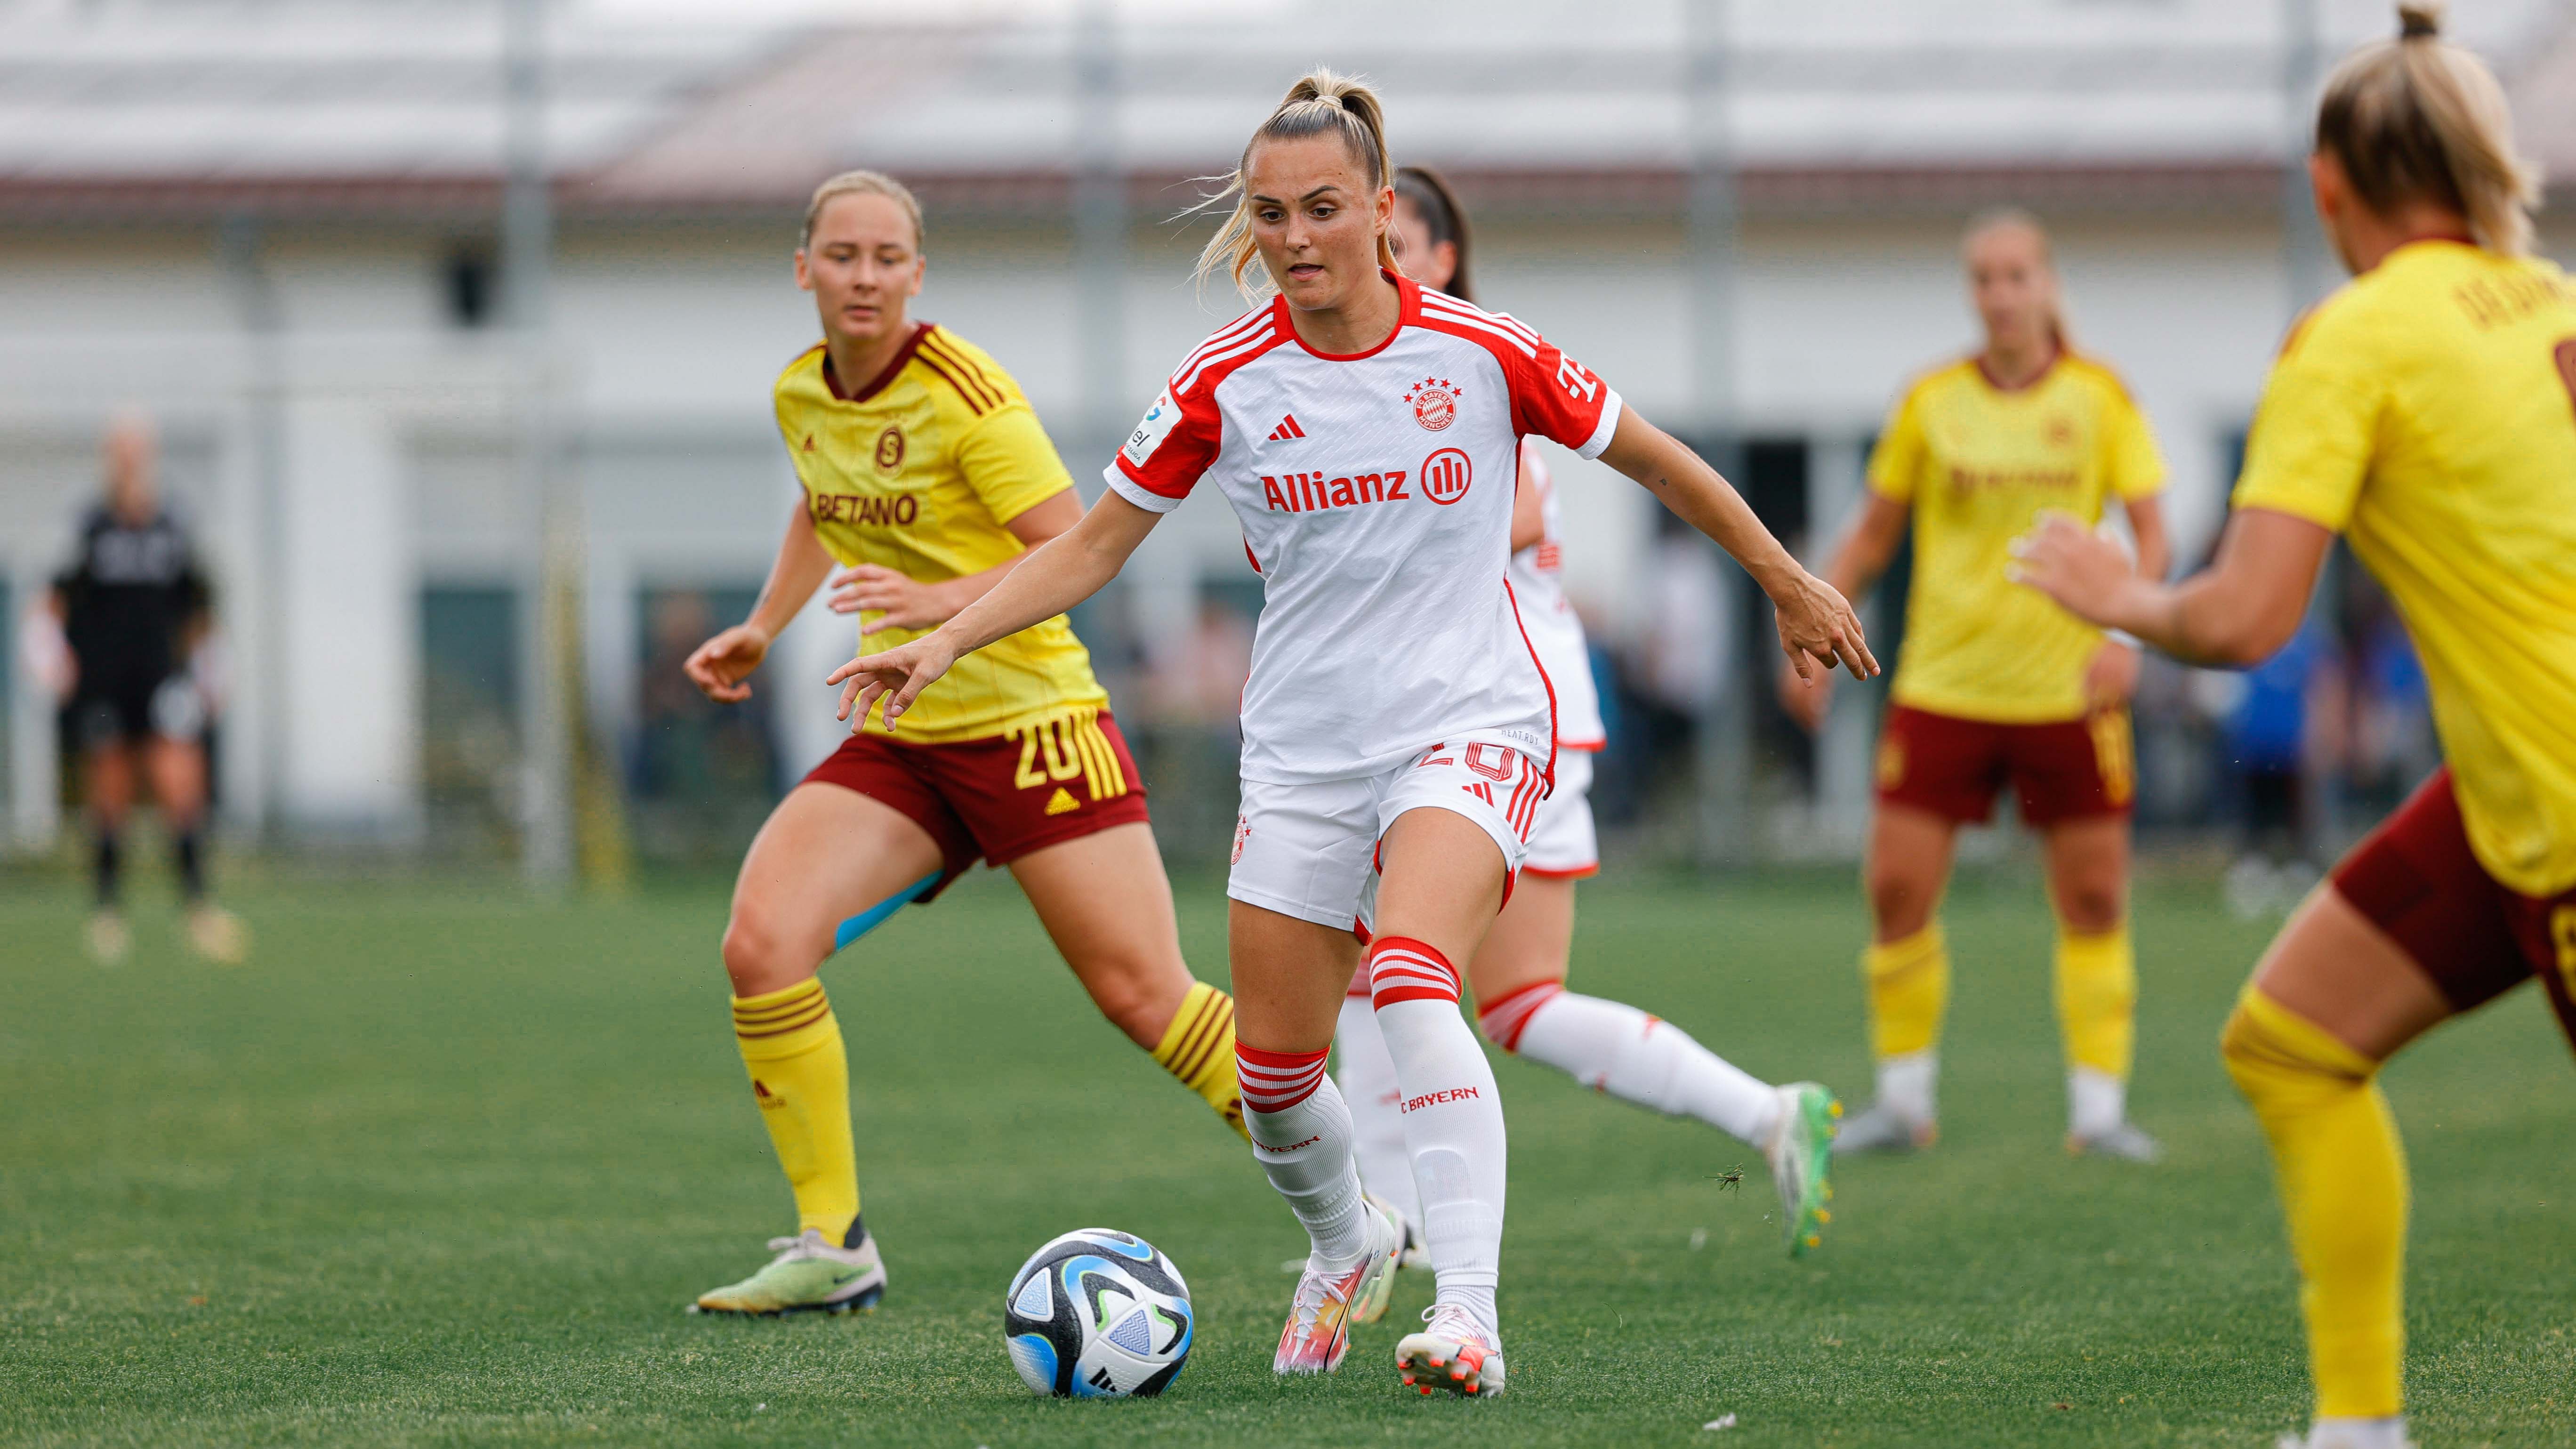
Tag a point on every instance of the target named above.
point(1397, 729)
point(1518, 973)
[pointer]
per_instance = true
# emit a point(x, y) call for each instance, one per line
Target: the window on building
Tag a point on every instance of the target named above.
point(471, 281)
point(701, 776)
point(469, 728)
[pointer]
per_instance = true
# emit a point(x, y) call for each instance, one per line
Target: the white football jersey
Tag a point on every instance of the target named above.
point(1375, 493)
point(1555, 630)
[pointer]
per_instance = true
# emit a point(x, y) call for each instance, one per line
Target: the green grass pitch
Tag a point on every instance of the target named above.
point(442, 1167)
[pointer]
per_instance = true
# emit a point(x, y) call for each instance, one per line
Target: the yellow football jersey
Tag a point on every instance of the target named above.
point(919, 471)
point(1978, 463)
point(2428, 412)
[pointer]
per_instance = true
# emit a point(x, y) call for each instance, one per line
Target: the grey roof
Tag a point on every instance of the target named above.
point(364, 104)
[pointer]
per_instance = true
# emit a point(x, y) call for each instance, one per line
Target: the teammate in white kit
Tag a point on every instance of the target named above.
point(1398, 732)
point(1518, 974)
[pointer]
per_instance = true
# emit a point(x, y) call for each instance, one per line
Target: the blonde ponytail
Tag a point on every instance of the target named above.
point(2419, 119)
point(1320, 102)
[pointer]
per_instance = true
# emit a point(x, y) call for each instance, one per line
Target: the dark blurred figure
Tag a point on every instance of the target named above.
point(133, 607)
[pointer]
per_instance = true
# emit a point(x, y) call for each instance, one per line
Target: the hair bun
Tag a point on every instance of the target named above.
point(2419, 21)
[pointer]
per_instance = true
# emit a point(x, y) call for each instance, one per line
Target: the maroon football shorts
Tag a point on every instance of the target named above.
point(1952, 767)
point(2415, 879)
point(1059, 778)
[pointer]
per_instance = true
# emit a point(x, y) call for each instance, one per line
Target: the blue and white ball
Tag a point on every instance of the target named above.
point(1098, 1314)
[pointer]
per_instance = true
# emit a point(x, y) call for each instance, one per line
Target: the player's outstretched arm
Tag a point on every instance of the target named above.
point(2236, 612)
point(1817, 624)
point(1063, 572)
point(1877, 530)
point(719, 666)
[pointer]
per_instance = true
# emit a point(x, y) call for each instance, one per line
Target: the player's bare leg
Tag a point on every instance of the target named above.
point(1107, 905)
point(826, 854)
point(107, 787)
point(1908, 969)
point(177, 770)
point(2087, 862)
point(2332, 1000)
point(1442, 886)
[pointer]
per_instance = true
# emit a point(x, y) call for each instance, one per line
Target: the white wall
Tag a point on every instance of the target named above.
point(396, 427)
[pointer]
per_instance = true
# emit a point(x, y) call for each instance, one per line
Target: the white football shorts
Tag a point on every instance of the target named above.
point(1562, 842)
point(1310, 851)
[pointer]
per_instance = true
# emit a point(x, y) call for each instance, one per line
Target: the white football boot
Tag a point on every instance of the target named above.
point(1328, 1301)
point(809, 1275)
point(1454, 1352)
point(2123, 1140)
point(1801, 1154)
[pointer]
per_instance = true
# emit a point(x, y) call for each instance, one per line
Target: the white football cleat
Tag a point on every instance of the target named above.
point(809, 1275)
point(2123, 1140)
point(1801, 1154)
point(1882, 1128)
point(1409, 1253)
point(1452, 1352)
point(107, 938)
point(1318, 1331)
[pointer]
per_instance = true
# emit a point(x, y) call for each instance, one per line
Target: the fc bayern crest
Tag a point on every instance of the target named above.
point(1435, 403)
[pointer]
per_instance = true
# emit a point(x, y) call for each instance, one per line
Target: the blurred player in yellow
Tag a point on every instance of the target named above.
point(1995, 685)
point(927, 474)
point(2427, 412)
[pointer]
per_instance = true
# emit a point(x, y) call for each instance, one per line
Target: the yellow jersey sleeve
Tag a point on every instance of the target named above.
point(1897, 461)
point(2131, 462)
point(2318, 422)
point(1010, 462)
point(793, 399)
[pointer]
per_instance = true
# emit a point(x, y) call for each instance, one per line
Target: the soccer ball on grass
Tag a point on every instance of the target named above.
point(1098, 1313)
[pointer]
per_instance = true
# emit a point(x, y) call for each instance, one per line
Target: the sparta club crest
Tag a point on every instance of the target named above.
point(889, 450)
point(1435, 403)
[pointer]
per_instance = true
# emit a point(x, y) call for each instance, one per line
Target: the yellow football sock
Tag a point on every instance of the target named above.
point(2343, 1188)
point(1199, 1049)
point(1909, 986)
point(2097, 1000)
point(791, 1043)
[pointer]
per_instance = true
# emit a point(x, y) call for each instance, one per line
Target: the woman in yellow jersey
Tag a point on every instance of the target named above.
point(2427, 411)
point(1994, 685)
point(927, 474)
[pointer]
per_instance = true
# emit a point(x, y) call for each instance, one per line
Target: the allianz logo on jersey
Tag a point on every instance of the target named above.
point(1443, 478)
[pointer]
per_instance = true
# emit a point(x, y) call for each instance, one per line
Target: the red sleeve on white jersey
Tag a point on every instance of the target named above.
point(1171, 446)
point(1553, 396)
point(1180, 435)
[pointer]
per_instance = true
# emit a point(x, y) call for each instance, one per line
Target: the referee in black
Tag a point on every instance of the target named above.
point(133, 607)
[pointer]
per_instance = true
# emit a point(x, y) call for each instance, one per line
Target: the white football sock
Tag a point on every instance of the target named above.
point(2096, 1102)
point(1367, 1078)
point(1303, 1142)
point(1453, 1120)
point(1615, 1048)
point(1905, 1083)
point(2387, 1433)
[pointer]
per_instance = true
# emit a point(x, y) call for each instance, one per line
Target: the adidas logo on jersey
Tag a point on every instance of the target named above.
point(1309, 492)
point(1061, 802)
point(1287, 429)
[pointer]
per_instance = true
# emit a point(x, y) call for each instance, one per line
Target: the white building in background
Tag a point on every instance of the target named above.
point(276, 227)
